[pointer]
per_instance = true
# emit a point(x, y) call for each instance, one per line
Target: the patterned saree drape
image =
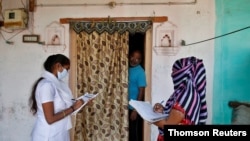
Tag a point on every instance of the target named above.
point(102, 64)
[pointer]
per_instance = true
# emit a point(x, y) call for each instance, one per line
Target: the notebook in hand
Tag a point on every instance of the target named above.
point(86, 98)
point(145, 110)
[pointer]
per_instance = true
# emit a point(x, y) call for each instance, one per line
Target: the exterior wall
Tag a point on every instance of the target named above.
point(231, 73)
point(21, 63)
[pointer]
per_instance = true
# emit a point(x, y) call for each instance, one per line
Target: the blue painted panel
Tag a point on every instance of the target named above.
point(232, 57)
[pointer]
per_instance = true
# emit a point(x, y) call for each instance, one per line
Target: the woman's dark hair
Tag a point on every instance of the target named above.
point(48, 66)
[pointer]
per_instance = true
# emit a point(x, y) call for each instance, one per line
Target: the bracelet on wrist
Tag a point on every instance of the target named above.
point(72, 108)
point(63, 114)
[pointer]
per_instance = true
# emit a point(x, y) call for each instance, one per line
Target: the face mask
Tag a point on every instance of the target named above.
point(63, 74)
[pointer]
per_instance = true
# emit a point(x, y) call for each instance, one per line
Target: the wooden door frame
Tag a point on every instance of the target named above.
point(148, 47)
point(148, 70)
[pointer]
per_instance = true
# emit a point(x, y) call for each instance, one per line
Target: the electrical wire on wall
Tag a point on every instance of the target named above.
point(9, 31)
point(183, 44)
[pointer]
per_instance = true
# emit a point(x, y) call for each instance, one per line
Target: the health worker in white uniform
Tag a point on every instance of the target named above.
point(51, 102)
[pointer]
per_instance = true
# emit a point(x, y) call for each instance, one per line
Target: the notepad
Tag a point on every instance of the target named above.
point(145, 110)
point(86, 98)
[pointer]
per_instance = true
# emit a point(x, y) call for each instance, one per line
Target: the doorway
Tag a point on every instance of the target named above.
point(137, 42)
point(142, 41)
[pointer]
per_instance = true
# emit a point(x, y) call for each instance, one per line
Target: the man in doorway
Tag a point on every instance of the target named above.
point(136, 89)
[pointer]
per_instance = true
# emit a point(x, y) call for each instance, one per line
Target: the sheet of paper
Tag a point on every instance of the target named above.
point(86, 98)
point(145, 110)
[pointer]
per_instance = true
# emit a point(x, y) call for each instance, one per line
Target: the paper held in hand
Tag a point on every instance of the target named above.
point(145, 110)
point(86, 98)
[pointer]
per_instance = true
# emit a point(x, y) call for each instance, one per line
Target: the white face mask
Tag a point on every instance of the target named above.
point(63, 74)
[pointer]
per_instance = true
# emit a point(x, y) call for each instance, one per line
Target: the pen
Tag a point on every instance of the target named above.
point(162, 102)
point(73, 99)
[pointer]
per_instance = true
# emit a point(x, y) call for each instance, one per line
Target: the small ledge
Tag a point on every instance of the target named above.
point(166, 50)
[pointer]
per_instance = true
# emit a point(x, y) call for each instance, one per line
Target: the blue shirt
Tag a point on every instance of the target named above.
point(137, 79)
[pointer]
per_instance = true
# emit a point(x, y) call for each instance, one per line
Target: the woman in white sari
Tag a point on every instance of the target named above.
point(51, 102)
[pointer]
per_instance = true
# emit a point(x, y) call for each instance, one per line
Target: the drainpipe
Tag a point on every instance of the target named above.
point(113, 4)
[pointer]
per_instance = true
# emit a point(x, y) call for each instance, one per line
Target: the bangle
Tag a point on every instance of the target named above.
point(63, 113)
point(72, 108)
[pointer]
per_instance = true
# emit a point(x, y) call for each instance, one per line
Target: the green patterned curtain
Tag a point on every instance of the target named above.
point(111, 27)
